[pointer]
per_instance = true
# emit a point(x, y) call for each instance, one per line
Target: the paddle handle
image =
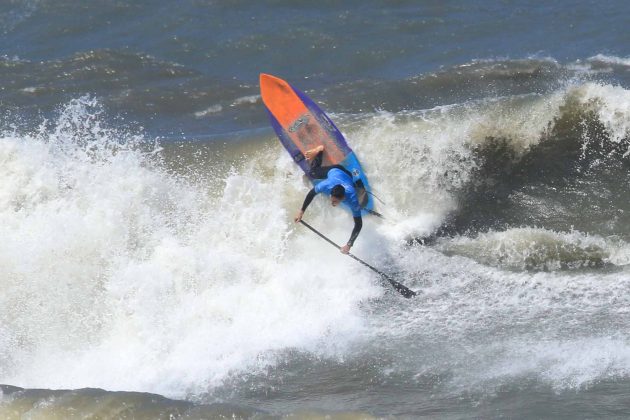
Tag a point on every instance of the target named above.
point(403, 290)
point(337, 246)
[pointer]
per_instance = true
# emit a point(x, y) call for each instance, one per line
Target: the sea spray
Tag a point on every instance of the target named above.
point(119, 274)
point(202, 286)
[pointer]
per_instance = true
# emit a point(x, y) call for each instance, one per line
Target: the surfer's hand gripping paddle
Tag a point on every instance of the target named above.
point(403, 290)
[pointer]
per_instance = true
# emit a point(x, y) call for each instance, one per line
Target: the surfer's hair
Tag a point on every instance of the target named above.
point(338, 191)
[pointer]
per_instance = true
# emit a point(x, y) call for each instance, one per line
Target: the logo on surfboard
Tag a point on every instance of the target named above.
point(299, 122)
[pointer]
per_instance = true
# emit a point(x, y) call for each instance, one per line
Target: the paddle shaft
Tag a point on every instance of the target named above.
point(403, 290)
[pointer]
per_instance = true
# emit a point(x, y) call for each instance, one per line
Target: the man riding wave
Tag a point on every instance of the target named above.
point(337, 182)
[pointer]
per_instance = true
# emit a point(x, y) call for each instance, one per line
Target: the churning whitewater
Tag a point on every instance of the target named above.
point(150, 266)
point(124, 270)
point(116, 269)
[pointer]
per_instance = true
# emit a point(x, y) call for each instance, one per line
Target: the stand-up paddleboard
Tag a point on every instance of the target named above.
point(301, 125)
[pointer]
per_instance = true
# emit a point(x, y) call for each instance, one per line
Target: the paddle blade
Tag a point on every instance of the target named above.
point(405, 291)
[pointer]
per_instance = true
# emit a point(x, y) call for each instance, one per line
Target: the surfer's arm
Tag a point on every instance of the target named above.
point(309, 197)
point(358, 224)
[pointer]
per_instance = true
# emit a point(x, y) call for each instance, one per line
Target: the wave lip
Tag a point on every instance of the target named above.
point(97, 403)
point(602, 61)
point(536, 249)
point(16, 402)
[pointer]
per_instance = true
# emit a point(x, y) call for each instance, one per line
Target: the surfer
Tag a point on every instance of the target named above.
point(337, 182)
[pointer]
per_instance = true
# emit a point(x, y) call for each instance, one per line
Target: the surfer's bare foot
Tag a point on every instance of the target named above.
point(310, 154)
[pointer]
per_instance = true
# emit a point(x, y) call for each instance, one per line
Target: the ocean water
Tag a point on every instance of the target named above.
point(150, 267)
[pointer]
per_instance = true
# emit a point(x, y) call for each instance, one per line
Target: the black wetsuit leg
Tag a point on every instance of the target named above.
point(321, 172)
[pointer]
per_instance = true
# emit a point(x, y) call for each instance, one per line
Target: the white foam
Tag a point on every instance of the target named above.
point(483, 328)
point(214, 109)
point(561, 364)
point(117, 274)
point(610, 59)
point(250, 99)
point(612, 105)
point(540, 249)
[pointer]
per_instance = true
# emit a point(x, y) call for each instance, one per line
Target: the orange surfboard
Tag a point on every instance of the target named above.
point(301, 125)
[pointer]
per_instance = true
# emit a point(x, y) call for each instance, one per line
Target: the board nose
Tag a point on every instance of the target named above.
point(263, 79)
point(267, 80)
point(269, 83)
point(280, 99)
point(266, 85)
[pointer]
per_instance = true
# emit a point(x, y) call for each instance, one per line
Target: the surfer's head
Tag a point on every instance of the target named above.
point(337, 194)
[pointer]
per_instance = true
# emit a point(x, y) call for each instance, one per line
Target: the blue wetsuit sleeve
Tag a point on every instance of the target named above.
point(321, 186)
point(318, 188)
point(309, 197)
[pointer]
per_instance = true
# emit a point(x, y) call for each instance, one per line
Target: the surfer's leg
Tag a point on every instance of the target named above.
point(321, 172)
point(314, 153)
point(341, 167)
point(317, 171)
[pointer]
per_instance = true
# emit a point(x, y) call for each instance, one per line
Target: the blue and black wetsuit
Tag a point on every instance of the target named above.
point(332, 176)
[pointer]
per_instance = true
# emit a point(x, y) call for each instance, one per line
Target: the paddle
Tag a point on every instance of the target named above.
point(408, 293)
